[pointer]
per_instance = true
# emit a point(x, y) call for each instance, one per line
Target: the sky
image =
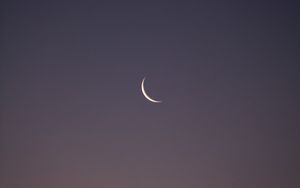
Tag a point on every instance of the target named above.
point(72, 114)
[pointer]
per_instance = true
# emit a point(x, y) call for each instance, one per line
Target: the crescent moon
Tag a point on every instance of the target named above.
point(145, 94)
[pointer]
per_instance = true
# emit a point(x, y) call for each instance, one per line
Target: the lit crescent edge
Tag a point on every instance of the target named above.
point(145, 94)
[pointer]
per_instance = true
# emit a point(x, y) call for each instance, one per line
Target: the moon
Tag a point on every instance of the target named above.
point(145, 94)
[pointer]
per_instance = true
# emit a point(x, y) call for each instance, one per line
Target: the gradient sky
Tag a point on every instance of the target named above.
point(72, 114)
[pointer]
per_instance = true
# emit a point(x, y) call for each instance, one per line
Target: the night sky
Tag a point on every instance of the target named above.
point(72, 114)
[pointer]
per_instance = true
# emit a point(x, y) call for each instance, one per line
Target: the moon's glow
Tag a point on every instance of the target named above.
point(145, 94)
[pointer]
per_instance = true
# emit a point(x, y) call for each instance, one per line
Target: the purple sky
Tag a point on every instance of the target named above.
point(72, 114)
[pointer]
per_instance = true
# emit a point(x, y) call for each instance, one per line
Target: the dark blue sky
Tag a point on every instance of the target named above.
point(72, 113)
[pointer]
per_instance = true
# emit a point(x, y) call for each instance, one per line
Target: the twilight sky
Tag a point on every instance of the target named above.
point(72, 114)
